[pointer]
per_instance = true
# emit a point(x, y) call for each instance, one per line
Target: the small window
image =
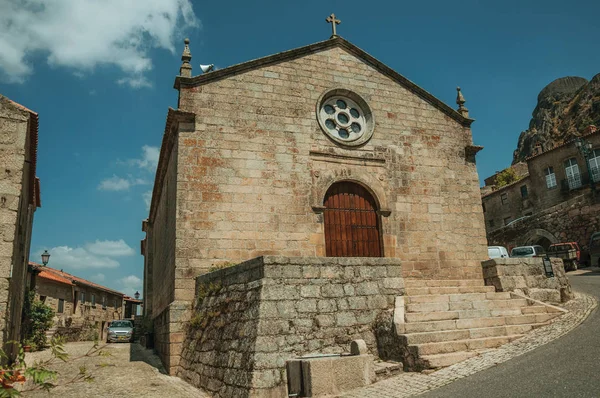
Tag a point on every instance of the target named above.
point(550, 177)
point(115, 303)
point(104, 302)
point(82, 297)
point(43, 299)
point(507, 220)
point(504, 198)
point(524, 191)
point(61, 306)
point(93, 299)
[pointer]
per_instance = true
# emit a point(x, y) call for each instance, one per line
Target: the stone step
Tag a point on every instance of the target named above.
point(419, 291)
point(442, 298)
point(466, 305)
point(473, 333)
point(442, 360)
point(460, 314)
point(447, 347)
point(443, 282)
point(470, 323)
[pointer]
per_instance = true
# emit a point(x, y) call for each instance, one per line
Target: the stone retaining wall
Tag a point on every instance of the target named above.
point(250, 318)
point(527, 276)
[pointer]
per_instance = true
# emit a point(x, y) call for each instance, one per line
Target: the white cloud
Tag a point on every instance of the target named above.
point(134, 82)
point(98, 278)
point(147, 196)
point(78, 258)
point(110, 248)
point(149, 159)
point(84, 34)
point(130, 284)
point(114, 183)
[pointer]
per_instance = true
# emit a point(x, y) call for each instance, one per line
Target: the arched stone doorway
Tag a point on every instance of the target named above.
point(540, 237)
point(352, 225)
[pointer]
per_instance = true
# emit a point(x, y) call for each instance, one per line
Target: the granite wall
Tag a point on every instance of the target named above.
point(527, 276)
point(250, 318)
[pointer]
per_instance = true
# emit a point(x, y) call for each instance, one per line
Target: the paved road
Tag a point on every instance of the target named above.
point(566, 367)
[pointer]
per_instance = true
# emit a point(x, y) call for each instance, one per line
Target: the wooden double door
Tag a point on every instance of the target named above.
point(351, 222)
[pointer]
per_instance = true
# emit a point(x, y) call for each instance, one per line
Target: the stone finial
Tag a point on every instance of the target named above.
point(186, 67)
point(460, 100)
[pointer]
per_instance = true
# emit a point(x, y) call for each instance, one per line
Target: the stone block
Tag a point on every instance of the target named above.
point(332, 376)
point(332, 291)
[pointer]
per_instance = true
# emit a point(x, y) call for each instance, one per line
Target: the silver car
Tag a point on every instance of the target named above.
point(120, 331)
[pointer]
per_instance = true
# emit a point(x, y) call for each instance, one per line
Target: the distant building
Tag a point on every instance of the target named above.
point(19, 198)
point(79, 304)
point(552, 200)
point(131, 307)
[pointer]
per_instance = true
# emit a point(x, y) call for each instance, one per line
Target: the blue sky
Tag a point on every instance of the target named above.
point(100, 74)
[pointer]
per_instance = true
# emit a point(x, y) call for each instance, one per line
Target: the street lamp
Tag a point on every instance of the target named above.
point(585, 148)
point(45, 257)
point(137, 295)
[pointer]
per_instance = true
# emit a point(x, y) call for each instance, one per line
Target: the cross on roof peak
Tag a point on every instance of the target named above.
point(331, 19)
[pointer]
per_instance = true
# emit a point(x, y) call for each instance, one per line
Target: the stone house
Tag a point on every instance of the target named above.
point(269, 156)
point(19, 198)
point(131, 307)
point(83, 306)
point(552, 201)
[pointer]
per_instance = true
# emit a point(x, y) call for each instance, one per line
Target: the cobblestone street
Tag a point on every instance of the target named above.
point(130, 371)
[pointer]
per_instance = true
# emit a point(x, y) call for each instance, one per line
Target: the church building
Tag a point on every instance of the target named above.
point(317, 152)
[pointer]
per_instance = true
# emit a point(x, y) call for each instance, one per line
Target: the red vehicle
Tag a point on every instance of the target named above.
point(569, 252)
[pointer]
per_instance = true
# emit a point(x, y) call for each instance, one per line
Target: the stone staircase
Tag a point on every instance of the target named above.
point(448, 321)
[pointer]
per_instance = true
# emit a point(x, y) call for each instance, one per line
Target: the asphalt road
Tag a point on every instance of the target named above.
point(566, 367)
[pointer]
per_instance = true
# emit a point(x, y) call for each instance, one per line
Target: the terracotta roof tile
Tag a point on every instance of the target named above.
point(56, 278)
point(72, 279)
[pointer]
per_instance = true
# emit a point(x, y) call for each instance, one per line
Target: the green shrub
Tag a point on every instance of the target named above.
point(37, 320)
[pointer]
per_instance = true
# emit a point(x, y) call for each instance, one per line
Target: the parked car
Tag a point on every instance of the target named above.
point(569, 252)
point(497, 252)
point(528, 251)
point(120, 331)
point(595, 249)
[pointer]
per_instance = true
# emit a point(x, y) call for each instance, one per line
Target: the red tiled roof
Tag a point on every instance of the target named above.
point(72, 279)
point(56, 278)
point(128, 298)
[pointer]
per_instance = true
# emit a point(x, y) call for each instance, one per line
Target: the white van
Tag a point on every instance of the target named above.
point(497, 252)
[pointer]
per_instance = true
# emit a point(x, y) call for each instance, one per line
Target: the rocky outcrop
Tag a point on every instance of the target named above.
point(565, 107)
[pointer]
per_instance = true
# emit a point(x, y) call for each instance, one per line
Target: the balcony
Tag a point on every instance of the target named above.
point(579, 181)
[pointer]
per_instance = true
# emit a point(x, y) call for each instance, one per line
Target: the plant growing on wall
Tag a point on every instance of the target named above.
point(37, 320)
point(505, 177)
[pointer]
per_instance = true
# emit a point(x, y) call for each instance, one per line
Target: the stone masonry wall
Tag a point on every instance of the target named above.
point(527, 276)
point(161, 262)
point(574, 220)
point(250, 318)
point(254, 170)
point(16, 217)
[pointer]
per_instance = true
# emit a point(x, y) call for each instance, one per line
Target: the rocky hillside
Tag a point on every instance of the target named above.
point(565, 107)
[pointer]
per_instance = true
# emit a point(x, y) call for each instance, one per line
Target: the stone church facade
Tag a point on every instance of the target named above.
point(321, 151)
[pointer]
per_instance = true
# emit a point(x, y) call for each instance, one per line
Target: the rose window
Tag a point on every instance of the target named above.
point(345, 120)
